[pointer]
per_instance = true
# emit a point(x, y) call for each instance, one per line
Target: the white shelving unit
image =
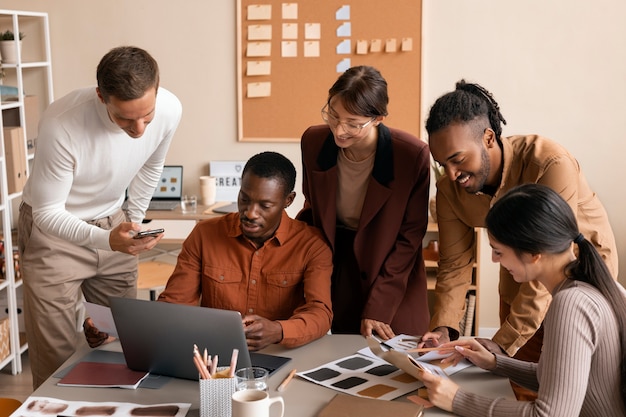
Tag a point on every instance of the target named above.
point(32, 75)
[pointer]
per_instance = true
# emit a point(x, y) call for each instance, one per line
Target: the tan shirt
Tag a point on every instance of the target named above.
point(527, 159)
point(352, 180)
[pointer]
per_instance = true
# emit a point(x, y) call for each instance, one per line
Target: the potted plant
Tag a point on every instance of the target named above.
point(8, 46)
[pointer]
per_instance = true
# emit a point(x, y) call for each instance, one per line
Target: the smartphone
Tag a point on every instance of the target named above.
point(145, 233)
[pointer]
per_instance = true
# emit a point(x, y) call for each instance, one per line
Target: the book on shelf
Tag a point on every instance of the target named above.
point(469, 314)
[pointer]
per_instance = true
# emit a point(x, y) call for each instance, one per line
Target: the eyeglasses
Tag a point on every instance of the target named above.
point(349, 128)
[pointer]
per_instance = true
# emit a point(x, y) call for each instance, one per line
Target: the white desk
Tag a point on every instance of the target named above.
point(302, 398)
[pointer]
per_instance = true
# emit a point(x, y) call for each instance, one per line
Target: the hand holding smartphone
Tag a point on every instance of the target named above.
point(145, 233)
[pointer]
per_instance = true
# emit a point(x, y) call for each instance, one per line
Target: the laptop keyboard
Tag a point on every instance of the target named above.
point(162, 205)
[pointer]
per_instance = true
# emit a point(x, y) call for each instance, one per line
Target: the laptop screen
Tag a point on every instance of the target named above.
point(170, 186)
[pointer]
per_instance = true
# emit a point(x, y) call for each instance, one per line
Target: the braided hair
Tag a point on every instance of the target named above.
point(466, 103)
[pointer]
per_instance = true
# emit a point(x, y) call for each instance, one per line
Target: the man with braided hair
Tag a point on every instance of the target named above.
point(465, 128)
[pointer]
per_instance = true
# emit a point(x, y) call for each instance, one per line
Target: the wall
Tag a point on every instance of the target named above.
point(556, 68)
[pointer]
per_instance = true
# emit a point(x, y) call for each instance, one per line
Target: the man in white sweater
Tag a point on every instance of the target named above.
point(93, 144)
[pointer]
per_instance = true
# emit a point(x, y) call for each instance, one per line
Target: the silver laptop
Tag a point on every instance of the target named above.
point(169, 190)
point(158, 337)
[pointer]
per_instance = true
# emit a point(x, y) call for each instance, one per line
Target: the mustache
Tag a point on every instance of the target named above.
point(246, 220)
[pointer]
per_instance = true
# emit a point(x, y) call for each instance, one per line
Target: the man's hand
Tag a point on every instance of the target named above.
point(491, 346)
point(94, 336)
point(382, 329)
point(121, 239)
point(438, 336)
point(261, 332)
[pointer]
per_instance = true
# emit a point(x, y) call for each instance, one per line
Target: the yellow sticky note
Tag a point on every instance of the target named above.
point(407, 44)
point(259, 32)
point(259, 89)
point(312, 31)
point(290, 31)
point(311, 49)
point(259, 49)
point(391, 45)
point(290, 10)
point(259, 12)
point(376, 45)
point(258, 68)
point(361, 47)
point(288, 49)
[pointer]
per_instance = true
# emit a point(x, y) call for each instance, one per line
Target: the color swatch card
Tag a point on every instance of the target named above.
point(363, 376)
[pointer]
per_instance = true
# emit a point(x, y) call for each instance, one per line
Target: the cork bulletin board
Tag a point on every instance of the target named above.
point(290, 54)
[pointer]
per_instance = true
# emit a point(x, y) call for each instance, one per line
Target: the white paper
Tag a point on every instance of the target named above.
point(343, 13)
point(343, 65)
point(258, 68)
point(290, 31)
point(345, 30)
point(259, 12)
point(38, 406)
point(312, 49)
point(259, 32)
point(312, 30)
point(288, 49)
point(101, 317)
point(290, 10)
point(343, 47)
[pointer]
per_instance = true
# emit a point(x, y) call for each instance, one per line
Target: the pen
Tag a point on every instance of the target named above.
point(435, 349)
point(286, 381)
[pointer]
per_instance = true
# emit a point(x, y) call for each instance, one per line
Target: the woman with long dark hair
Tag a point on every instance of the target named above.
point(582, 370)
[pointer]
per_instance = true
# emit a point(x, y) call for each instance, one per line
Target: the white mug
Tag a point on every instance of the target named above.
point(208, 189)
point(254, 403)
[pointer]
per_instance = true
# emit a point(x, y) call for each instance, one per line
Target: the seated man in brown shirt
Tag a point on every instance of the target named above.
point(273, 269)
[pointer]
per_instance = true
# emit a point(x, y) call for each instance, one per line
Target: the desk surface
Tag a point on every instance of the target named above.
point(302, 398)
point(201, 213)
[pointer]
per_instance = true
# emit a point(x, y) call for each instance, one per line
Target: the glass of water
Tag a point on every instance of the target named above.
point(251, 378)
point(189, 203)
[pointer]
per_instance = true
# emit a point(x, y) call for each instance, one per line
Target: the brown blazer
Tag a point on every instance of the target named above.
point(388, 242)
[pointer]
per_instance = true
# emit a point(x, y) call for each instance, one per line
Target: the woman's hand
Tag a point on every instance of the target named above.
point(441, 391)
point(472, 350)
point(382, 329)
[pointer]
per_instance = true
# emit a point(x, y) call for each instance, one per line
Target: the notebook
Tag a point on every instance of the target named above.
point(169, 190)
point(158, 337)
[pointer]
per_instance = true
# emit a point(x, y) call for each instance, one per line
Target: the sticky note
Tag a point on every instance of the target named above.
point(344, 30)
point(312, 31)
point(343, 47)
point(259, 32)
point(361, 47)
point(343, 13)
point(343, 65)
point(311, 49)
point(259, 89)
point(259, 49)
point(259, 12)
point(391, 45)
point(290, 31)
point(376, 45)
point(290, 10)
point(407, 44)
point(289, 49)
point(258, 68)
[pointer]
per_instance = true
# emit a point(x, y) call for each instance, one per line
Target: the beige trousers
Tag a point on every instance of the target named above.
point(54, 273)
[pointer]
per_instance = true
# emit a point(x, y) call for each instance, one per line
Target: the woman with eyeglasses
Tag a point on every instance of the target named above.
point(366, 187)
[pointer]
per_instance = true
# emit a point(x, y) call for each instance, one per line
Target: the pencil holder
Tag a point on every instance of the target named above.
point(215, 396)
